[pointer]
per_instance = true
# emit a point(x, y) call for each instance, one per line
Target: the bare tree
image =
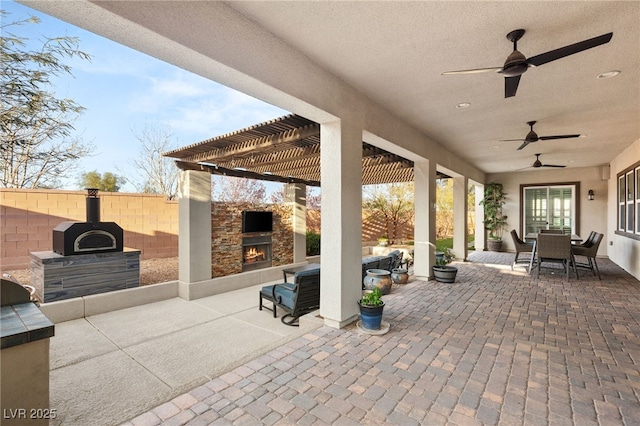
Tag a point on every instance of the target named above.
point(158, 174)
point(36, 145)
point(313, 200)
point(392, 202)
point(235, 189)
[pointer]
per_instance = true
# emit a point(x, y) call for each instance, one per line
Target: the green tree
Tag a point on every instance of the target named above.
point(36, 145)
point(393, 203)
point(108, 182)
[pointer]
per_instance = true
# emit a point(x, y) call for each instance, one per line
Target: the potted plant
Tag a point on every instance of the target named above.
point(383, 241)
point(371, 307)
point(494, 220)
point(442, 271)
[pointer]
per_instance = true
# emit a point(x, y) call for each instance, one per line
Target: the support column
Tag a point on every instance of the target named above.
point(425, 218)
point(460, 217)
point(479, 242)
point(296, 195)
point(341, 228)
point(194, 232)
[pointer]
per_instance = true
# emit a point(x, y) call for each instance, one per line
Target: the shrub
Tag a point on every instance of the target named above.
point(313, 243)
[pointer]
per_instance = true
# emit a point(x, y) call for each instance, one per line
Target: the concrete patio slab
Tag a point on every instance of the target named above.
point(135, 325)
point(64, 348)
point(233, 301)
point(197, 354)
point(103, 390)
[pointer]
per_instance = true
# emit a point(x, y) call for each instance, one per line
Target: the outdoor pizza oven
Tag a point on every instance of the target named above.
point(92, 236)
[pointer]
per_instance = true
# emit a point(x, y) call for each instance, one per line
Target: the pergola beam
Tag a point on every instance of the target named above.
point(247, 147)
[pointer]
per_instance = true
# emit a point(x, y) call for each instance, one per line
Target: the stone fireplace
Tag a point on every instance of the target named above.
point(256, 252)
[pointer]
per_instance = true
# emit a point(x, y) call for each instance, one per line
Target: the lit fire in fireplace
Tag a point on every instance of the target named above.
point(252, 254)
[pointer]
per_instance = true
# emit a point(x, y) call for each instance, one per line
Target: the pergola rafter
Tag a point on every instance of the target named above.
point(286, 149)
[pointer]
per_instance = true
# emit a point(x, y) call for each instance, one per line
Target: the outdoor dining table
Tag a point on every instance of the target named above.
point(534, 236)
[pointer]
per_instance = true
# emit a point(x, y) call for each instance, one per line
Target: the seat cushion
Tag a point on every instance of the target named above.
point(283, 291)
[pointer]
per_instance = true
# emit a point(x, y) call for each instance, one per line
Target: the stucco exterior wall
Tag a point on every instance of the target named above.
point(593, 214)
point(622, 250)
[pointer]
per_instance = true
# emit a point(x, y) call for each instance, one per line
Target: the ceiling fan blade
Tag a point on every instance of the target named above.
point(512, 140)
point(552, 165)
point(523, 145)
point(472, 71)
point(545, 138)
point(552, 55)
point(511, 86)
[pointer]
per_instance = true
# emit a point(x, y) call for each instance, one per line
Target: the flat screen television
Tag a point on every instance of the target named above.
point(257, 221)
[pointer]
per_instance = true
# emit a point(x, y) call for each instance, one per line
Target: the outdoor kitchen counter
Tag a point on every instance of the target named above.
point(24, 323)
point(25, 333)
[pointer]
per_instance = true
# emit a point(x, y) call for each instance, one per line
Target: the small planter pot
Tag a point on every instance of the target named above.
point(379, 278)
point(399, 276)
point(371, 316)
point(445, 274)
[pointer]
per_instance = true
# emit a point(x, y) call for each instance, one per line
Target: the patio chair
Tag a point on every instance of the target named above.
point(521, 247)
point(552, 248)
point(589, 241)
point(590, 253)
point(297, 298)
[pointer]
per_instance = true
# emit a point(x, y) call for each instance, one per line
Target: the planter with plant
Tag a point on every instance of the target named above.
point(494, 220)
point(383, 241)
point(371, 307)
point(442, 272)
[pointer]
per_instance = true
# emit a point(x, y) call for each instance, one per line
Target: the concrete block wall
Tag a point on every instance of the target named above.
point(27, 219)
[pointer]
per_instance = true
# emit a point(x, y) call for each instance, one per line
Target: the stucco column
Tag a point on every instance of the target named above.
point(460, 216)
point(194, 219)
point(479, 242)
point(425, 218)
point(296, 195)
point(341, 228)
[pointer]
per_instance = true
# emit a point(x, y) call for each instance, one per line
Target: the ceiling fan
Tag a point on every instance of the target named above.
point(533, 137)
point(537, 164)
point(517, 64)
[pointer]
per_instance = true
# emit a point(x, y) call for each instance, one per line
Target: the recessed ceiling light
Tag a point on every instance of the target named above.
point(609, 74)
point(463, 105)
point(494, 147)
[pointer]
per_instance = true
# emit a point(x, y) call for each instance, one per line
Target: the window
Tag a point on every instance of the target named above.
point(629, 201)
point(549, 207)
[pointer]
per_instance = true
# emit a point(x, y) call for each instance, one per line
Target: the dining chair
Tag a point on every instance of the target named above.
point(589, 241)
point(521, 247)
point(554, 248)
point(590, 253)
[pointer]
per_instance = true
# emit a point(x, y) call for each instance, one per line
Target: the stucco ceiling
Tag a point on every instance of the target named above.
point(394, 53)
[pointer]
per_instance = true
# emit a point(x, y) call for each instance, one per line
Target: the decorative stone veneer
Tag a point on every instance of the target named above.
point(226, 235)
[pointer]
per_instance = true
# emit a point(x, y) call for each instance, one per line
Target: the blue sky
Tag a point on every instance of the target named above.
point(125, 91)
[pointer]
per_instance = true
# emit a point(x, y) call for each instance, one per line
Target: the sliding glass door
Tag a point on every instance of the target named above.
point(549, 207)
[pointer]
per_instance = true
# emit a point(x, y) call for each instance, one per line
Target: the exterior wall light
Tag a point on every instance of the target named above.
point(590, 195)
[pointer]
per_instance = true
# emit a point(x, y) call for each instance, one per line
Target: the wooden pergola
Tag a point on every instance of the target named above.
point(285, 149)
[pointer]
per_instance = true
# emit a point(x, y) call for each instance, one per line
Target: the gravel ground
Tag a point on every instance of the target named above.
point(152, 271)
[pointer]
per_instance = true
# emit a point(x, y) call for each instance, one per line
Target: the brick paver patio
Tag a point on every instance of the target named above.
point(496, 347)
